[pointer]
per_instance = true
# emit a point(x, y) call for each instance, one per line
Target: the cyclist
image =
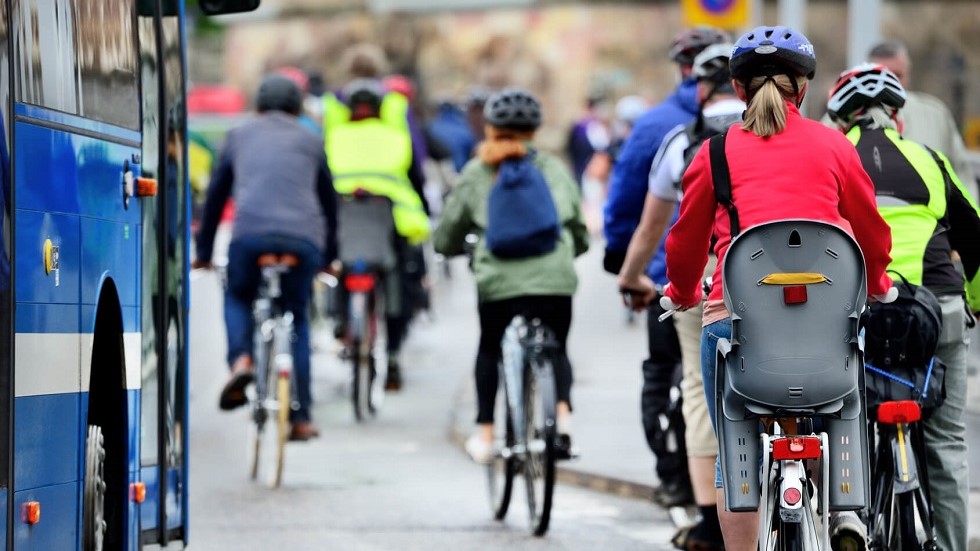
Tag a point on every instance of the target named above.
point(369, 149)
point(782, 166)
point(925, 118)
point(720, 108)
point(622, 212)
point(540, 286)
point(277, 172)
point(930, 214)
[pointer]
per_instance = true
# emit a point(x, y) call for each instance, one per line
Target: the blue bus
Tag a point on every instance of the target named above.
point(93, 273)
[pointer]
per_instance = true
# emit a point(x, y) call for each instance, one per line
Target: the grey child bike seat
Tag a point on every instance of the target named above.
point(795, 290)
point(365, 231)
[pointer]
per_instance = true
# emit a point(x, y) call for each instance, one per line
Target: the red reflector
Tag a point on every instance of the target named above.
point(359, 283)
point(792, 496)
point(794, 294)
point(31, 512)
point(895, 413)
point(796, 447)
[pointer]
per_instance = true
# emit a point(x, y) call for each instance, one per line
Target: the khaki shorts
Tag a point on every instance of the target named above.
point(699, 436)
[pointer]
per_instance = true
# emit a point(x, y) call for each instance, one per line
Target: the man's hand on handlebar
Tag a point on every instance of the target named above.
point(637, 293)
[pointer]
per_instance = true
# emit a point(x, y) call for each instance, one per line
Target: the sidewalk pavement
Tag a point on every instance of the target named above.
point(606, 352)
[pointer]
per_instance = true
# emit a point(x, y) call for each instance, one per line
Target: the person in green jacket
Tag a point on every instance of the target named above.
point(539, 286)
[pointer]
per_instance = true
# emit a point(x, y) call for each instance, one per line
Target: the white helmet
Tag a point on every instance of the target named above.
point(863, 86)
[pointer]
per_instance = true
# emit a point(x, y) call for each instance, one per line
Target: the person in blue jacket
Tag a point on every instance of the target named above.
point(623, 208)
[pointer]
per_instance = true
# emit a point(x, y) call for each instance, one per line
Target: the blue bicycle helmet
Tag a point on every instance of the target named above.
point(771, 51)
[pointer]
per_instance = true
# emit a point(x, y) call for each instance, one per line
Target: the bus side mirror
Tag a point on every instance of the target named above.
point(218, 7)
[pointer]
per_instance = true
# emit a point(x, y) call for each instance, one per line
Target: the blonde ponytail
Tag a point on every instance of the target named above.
point(766, 113)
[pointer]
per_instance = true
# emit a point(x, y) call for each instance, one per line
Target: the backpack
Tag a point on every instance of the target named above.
point(522, 220)
point(900, 342)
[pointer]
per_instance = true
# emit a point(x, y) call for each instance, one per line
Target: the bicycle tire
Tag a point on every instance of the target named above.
point(501, 472)
point(259, 412)
point(908, 538)
point(539, 465)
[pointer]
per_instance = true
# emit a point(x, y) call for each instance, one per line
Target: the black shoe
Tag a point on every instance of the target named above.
point(563, 448)
point(393, 379)
point(674, 494)
point(687, 538)
point(233, 394)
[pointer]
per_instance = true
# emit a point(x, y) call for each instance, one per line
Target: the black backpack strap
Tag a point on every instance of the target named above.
point(947, 180)
point(722, 180)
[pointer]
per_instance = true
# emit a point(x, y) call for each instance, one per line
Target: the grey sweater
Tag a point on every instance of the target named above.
point(276, 170)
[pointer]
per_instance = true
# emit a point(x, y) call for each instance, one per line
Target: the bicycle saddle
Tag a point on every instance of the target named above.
point(274, 259)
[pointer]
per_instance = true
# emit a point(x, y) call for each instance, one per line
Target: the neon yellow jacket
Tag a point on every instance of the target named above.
point(375, 155)
point(928, 216)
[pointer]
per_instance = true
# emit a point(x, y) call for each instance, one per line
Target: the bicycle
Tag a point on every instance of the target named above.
point(790, 363)
point(525, 432)
point(366, 231)
point(901, 516)
point(274, 390)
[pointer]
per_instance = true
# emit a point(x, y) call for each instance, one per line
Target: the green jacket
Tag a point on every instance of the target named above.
point(928, 216)
point(465, 212)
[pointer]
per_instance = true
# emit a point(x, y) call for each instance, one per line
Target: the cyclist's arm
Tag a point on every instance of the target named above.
point(455, 220)
point(219, 190)
point(417, 177)
point(689, 238)
point(964, 234)
point(858, 206)
point(328, 202)
point(653, 226)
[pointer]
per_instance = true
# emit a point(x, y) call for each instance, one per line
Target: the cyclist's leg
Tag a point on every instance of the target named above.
point(494, 318)
point(296, 291)
point(397, 311)
point(242, 286)
point(701, 444)
point(555, 311)
point(740, 529)
point(655, 402)
point(945, 433)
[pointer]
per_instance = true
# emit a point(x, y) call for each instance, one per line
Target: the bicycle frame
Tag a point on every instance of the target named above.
point(273, 332)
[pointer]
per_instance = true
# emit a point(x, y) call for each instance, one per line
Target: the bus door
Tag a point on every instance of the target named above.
point(165, 245)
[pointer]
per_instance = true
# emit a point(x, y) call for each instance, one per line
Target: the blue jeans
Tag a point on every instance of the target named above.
point(244, 277)
point(709, 345)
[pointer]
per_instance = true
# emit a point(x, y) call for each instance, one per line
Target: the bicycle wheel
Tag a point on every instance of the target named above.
point(500, 473)
point(284, 402)
point(361, 347)
point(905, 507)
point(539, 463)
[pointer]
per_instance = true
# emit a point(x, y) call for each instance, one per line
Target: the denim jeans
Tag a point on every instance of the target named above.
point(709, 344)
point(244, 277)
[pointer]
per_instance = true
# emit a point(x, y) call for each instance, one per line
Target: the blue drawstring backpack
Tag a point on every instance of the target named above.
point(522, 220)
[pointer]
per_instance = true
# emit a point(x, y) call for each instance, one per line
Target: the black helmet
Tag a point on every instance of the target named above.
point(689, 43)
point(364, 96)
point(279, 93)
point(770, 51)
point(514, 109)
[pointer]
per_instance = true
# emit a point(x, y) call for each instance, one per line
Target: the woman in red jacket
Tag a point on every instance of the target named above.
point(782, 166)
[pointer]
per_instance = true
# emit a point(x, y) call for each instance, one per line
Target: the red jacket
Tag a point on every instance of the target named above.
point(807, 171)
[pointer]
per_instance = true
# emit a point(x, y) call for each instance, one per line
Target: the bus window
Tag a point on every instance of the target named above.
point(90, 46)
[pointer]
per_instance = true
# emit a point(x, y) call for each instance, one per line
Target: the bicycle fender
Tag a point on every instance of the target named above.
point(906, 467)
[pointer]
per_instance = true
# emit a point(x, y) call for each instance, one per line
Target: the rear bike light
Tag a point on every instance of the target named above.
point(359, 283)
point(792, 496)
point(899, 412)
point(31, 512)
point(796, 448)
point(794, 294)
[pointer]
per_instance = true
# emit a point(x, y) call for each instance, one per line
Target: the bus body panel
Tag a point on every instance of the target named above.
point(46, 441)
point(58, 528)
point(32, 283)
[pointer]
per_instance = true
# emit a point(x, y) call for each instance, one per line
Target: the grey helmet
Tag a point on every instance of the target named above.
point(514, 109)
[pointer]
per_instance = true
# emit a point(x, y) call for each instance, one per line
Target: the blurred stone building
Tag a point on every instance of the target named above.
point(561, 49)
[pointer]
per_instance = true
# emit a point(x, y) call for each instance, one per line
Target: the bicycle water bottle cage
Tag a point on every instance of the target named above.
point(795, 290)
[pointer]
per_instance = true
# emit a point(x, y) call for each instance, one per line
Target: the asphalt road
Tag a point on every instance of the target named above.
point(397, 481)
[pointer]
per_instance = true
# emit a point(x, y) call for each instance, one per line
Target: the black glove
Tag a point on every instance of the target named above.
point(612, 262)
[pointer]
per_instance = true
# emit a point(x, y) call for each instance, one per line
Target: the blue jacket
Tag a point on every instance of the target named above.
point(451, 128)
point(628, 183)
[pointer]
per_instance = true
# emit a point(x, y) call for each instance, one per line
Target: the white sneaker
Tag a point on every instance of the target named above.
point(847, 532)
point(479, 449)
